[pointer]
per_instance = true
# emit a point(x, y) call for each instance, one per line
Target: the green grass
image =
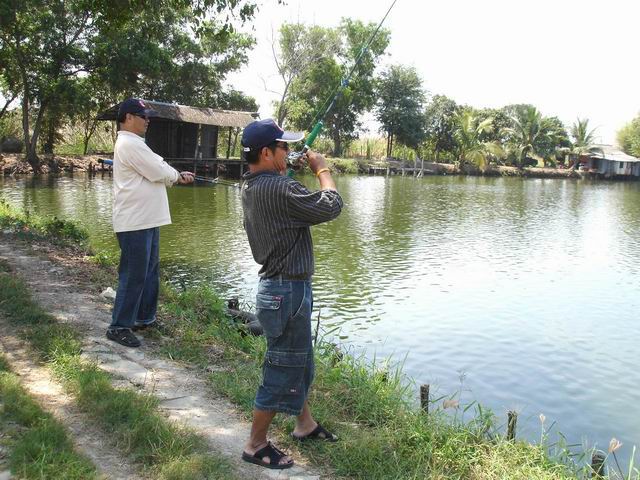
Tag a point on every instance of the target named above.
point(383, 435)
point(132, 419)
point(30, 226)
point(39, 445)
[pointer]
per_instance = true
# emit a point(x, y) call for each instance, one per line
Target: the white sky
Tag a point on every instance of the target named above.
point(569, 58)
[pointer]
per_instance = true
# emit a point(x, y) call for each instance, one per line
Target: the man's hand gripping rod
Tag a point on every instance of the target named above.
point(293, 159)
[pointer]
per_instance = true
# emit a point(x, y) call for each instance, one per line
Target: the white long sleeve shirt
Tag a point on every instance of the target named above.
point(140, 178)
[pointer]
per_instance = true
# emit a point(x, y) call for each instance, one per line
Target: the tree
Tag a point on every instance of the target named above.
point(300, 47)
point(500, 122)
point(533, 137)
point(53, 43)
point(439, 124)
point(470, 148)
point(583, 141)
point(400, 107)
point(629, 137)
point(554, 142)
point(311, 93)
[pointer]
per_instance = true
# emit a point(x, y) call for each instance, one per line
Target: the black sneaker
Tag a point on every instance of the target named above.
point(124, 336)
point(143, 326)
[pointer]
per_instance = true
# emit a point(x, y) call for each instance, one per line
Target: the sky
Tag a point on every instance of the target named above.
point(569, 58)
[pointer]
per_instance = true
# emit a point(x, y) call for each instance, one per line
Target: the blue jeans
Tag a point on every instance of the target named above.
point(138, 278)
point(283, 308)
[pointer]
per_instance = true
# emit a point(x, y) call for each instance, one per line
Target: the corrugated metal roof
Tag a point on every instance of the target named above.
point(183, 113)
point(609, 152)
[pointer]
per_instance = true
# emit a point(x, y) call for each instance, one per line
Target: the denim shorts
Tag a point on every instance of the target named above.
point(283, 308)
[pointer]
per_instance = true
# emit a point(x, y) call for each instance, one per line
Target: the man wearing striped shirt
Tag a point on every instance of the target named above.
point(278, 212)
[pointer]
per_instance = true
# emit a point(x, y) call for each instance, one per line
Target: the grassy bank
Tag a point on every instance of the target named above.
point(383, 434)
point(31, 226)
point(130, 418)
point(39, 446)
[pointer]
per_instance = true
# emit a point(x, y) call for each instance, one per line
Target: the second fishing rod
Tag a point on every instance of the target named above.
point(293, 159)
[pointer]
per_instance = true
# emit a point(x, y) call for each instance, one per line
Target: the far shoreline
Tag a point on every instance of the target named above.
point(15, 164)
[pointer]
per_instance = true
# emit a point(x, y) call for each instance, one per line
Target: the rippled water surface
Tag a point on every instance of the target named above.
point(523, 294)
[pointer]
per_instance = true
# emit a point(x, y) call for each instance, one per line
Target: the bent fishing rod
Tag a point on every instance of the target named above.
point(294, 157)
point(216, 181)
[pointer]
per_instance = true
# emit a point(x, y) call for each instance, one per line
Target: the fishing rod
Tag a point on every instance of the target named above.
point(294, 157)
point(216, 181)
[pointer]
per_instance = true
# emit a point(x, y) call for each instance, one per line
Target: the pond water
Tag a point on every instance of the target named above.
point(518, 293)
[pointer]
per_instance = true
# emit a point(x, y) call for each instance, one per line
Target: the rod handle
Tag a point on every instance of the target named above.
point(312, 136)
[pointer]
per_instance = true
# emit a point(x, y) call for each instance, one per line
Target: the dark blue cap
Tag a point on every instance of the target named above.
point(135, 106)
point(261, 133)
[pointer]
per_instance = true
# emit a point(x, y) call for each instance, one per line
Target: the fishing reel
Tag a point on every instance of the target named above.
point(294, 160)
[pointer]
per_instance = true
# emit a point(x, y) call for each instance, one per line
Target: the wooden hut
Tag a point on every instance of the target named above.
point(187, 137)
point(610, 162)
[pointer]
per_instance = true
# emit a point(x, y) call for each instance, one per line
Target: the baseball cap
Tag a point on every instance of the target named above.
point(135, 106)
point(261, 133)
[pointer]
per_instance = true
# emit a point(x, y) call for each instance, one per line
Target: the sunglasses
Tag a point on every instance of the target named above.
point(283, 145)
point(140, 115)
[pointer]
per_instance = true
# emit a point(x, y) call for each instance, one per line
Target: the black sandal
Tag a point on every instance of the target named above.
point(274, 455)
point(318, 433)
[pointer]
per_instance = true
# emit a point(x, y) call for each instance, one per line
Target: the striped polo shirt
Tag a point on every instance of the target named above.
point(278, 212)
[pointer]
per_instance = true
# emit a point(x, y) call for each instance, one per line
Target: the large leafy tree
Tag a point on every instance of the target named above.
point(300, 47)
point(629, 137)
point(312, 92)
point(440, 125)
point(152, 48)
point(400, 107)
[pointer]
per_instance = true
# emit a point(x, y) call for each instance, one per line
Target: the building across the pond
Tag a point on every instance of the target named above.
point(188, 137)
point(610, 162)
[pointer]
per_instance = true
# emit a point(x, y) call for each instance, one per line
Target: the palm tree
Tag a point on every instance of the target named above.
point(583, 141)
point(526, 134)
point(470, 148)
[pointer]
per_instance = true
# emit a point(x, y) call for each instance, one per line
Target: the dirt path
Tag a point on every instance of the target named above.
point(185, 397)
point(87, 438)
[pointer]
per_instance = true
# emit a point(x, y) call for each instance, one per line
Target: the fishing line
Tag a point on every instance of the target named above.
point(216, 181)
point(294, 157)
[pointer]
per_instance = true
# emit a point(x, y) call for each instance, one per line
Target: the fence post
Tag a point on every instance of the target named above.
point(511, 425)
point(424, 398)
point(598, 464)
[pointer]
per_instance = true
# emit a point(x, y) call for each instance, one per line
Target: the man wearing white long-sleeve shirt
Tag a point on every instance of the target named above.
point(140, 207)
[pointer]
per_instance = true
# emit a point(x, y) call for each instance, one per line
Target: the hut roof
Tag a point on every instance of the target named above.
point(183, 113)
point(610, 152)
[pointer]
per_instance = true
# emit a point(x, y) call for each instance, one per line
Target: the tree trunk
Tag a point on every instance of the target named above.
point(6, 105)
point(337, 146)
point(50, 139)
point(89, 130)
point(235, 139)
point(32, 156)
point(30, 152)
